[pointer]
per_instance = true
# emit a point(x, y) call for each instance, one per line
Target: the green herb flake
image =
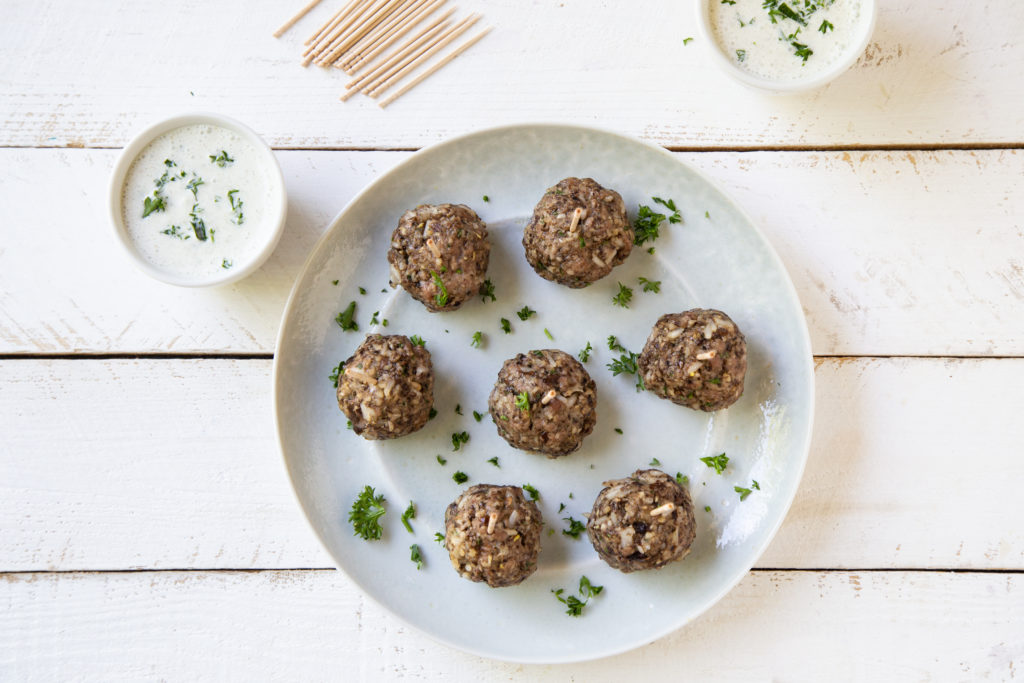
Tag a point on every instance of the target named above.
point(336, 374)
point(176, 232)
point(682, 479)
point(417, 341)
point(741, 55)
point(362, 290)
point(365, 514)
point(670, 204)
point(486, 198)
point(478, 340)
point(226, 264)
point(655, 462)
point(826, 26)
point(584, 355)
point(459, 439)
point(506, 326)
point(718, 462)
point(151, 204)
point(346, 319)
point(373, 319)
point(576, 527)
point(646, 226)
point(487, 291)
point(441, 461)
point(221, 159)
point(548, 334)
point(460, 477)
point(618, 430)
point(574, 606)
point(755, 485)
point(494, 461)
point(742, 491)
point(410, 513)
point(624, 296)
point(525, 313)
point(334, 282)
point(687, 41)
point(441, 298)
point(414, 555)
point(478, 416)
point(534, 493)
point(707, 508)
point(523, 401)
point(439, 537)
point(432, 414)
point(650, 285)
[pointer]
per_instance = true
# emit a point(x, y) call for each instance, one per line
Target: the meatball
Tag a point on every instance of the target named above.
point(642, 522)
point(697, 359)
point(439, 254)
point(544, 401)
point(492, 534)
point(578, 233)
point(387, 387)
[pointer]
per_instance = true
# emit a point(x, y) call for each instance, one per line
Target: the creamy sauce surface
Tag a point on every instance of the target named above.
point(785, 41)
point(195, 201)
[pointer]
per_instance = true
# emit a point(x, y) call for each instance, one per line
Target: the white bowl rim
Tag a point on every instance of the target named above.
point(131, 151)
point(785, 87)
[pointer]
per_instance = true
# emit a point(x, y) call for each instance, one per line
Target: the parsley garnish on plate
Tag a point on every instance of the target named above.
point(494, 461)
point(415, 556)
point(478, 416)
point(439, 537)
point(650, 285)
point(441, 298)
point(459, 439)
point(410, 513)
point(346, 319)
point(576, 527)
point(742, 491)
point(365, 514)
point(655, 462)
point(506, 326)
point(460, 477)
point(478, 340)
point(574, 606)
point(525, 313)
point(584, 355)
point(718, 462)
point(669, 204)
point(624, 296)
point(487, 291)
point(417, 340)
point(534, 493)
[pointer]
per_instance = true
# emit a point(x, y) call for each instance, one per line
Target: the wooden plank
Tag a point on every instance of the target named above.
point(120, 464)
point(948, 75)
point(314, 625)
point(892, 253)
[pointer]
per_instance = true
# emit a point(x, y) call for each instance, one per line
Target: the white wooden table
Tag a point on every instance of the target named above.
point(147, 530)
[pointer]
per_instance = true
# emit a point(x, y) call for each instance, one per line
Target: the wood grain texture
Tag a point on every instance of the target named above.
point(948, 75)
point(892, 253)
point(167, 464)
point(314, 625)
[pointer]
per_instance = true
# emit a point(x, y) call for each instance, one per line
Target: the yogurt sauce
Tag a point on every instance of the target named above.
point(195, 201)
point(785, 41)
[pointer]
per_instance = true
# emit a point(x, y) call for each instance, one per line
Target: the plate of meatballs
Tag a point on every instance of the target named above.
point(544, 392)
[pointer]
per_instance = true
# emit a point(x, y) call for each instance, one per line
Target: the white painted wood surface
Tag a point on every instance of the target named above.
point(89, 73)
point(173, 464)
point(130, 467)
point(313, 626)
point(892, 253)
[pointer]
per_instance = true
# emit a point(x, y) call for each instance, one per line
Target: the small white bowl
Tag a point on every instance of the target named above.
point(866, 26)
point(277, 208)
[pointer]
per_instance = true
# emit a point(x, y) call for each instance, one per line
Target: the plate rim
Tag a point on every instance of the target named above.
point(804, 439)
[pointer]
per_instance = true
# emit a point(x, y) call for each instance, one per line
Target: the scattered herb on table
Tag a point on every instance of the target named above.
point(626, 364)
point(646, 226)
point(373, 318)
point(336, 374)
point(548, 334)
point(333, 282)
point(655, 462)
point(365, 514)
point(707, 508)
point(682, 479)
point(478, 416)
point(755, 485)
point(439, 537)
point(486, 198)
point(618, 430)
point(432, 414)
point(686, 41)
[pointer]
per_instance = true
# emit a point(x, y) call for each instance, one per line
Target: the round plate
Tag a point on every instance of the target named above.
point(714, 258)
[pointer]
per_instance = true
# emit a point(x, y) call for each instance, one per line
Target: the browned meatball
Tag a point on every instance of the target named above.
point(642, 522)
point(579, 232)
point(439, 254)
point(697, 359)
point(387, 387)
point(544, 401)
point(492, 534)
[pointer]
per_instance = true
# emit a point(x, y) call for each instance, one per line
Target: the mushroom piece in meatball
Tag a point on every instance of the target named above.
point(642, 522)
point(545, 402)
point(439, 254)
point(492, 534)
point(697, 359)
point(387, 387)
point(579, 232)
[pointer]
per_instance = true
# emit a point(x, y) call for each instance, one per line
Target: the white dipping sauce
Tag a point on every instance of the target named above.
point(210, 188)
point(791, 49)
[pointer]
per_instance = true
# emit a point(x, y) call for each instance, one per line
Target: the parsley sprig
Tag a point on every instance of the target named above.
point(365, 514)
point(574, 605)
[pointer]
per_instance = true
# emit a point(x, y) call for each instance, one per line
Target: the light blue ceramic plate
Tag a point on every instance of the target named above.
point(715, 258)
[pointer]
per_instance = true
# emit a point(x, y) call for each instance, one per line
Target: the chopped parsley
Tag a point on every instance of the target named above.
point(373, 318)
point(614, 345)
point(523, 401)
point(682, 479)
point(755, 485)
point(221, 159)
point(576, 527)
point(417, 340)
point(346, 319)
point(707, 508)
point(534, 493)
point(439, 537)
point(686, 41)
point(487, 290)
point(624, 296)
point(625, 364)
point(645, 227)
point(618, 430)
point(506, 326)
point(459, 439)
point(441, 461)
point(670, 204)
point(650, 285)
point(584, 355)
point(362, 290)
point(365, 514)
point(574, 606)
point(655, 462)
point(334, 282)
point(149, 205)
point(410, 513)
point(802, 51)
point(460, 477)
point(742, 491)
point(486, 198)
point(548, 334)
point(414, 555)
point(226, 263)
point(432, 414)
point(741, 55)
point(494, 461)
point(826, 26)
point(194, 184)
point(197, 223)
point(458, 409)
point(336, 374)
point(236, 209)
point(441, 298)
point(175, 231)
point(478, 416)
point(525, 313)
point(718, 462)
point(478, 340)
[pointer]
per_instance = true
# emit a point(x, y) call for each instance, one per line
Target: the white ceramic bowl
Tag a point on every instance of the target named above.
point(277, 207)
point(865, 27)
